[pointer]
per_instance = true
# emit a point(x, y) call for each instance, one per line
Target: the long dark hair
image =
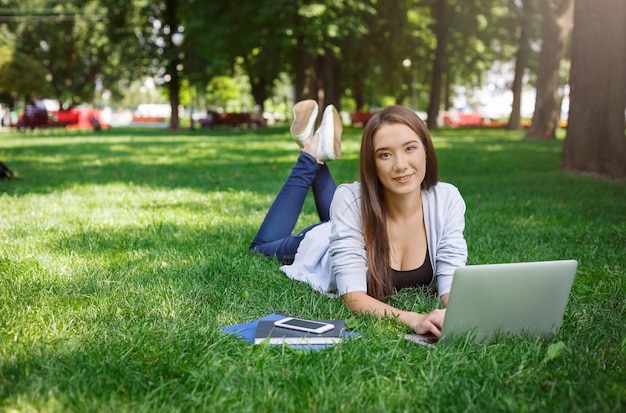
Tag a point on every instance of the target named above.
point(373, 209)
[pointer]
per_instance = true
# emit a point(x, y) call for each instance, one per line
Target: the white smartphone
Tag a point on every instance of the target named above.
point(300, 324)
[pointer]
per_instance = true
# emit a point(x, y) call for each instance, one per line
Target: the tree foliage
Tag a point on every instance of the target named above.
point(466, 44)
point(84, 45)
point(20, 74)
point(330, 48)
point(334, 51)
point(252, 35)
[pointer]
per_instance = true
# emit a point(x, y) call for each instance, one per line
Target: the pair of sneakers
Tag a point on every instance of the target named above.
point(329, 132)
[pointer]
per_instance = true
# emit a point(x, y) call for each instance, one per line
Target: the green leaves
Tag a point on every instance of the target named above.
point(555, 351)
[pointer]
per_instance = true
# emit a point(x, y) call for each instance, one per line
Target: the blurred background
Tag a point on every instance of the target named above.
point(186, 63)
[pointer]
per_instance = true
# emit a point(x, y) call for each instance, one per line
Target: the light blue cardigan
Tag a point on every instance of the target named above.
point(332, 256)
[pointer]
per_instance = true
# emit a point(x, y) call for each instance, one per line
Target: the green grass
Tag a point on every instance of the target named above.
point(122, 253)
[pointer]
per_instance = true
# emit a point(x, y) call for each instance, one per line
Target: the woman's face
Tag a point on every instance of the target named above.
point(400, 158)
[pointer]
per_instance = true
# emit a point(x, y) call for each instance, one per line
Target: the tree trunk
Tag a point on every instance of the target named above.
point(174, 91)
point(359, 97)
point(521, 59)
point(336, 87)
point(441, 31)
point(447, 96)
point(305, 77)
point(327, 80)
point(259, 90)
point(259, 87)
point(595, 141)
point(171, 20)
point(515, 118)
point(557, 17)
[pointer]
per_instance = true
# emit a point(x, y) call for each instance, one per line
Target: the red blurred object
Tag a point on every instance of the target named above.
point(361, 118)
point(77, 118)
point(229, 119)
point(462, 119)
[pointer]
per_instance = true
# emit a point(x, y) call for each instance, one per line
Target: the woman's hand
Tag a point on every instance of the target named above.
point(425, 323)
point(360, 302)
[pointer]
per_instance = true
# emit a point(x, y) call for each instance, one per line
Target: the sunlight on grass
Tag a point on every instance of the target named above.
point(124, 252)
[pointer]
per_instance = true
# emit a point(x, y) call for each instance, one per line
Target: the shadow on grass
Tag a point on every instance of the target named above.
point(124, 366)
point(137, 319)
point(145, 157)
point(243, 159)
point(136, 323)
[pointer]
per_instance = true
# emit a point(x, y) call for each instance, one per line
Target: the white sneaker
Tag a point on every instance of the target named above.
point(330, 130)
point(304, 117)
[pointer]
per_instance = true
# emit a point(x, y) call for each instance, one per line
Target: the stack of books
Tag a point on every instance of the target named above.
point(267, 332)
point(263, 329)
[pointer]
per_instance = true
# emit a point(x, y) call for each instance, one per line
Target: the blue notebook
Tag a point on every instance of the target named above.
point(246, 332)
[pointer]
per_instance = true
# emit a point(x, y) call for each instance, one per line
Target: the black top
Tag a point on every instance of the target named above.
point(419, 277)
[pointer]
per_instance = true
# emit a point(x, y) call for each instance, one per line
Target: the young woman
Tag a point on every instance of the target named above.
point(398, 227)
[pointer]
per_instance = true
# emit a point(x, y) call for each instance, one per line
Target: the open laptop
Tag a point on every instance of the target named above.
point(519, 298)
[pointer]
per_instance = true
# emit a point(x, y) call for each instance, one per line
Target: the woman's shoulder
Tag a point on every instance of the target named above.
point(347, 196)
point(443, 189)
point(443, 193)
point(444, 197)
point(352, 190)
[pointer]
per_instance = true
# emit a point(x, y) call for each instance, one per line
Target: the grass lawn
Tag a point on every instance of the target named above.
point(123, 253)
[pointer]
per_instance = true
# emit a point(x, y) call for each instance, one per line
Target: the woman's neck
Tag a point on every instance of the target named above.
point(404, 207)
point(406, 232)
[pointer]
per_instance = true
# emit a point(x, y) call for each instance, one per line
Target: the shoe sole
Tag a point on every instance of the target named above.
point(338, 132)
point(325, 145)
point(304, 117)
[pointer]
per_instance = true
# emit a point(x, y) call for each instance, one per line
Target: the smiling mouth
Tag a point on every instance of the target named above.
point(403, 178)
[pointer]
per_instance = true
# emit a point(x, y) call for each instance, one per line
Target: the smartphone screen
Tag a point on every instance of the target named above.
point(304, 325)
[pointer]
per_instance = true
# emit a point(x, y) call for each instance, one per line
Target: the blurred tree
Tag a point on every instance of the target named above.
point(595, 141)
point(134, 50)
point(323, 36)
point(464, 34)
point(251, 35)
point(330, 48)
point(270, 37)
point(525, 12)
point(387, 44)
point(221, 90)
point(20, 75)
point(173, 39)
point(85, 45)
point(557, 18)
point(442, 12)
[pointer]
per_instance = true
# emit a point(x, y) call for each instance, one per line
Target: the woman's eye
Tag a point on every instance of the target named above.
point(384, 155)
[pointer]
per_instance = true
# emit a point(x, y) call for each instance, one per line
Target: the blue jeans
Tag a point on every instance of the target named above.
point(274, 238)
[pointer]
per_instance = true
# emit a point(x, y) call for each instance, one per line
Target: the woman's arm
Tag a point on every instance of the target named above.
point(360, 302)
point(444, 214)
point(444, 299)
point(346, 243)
